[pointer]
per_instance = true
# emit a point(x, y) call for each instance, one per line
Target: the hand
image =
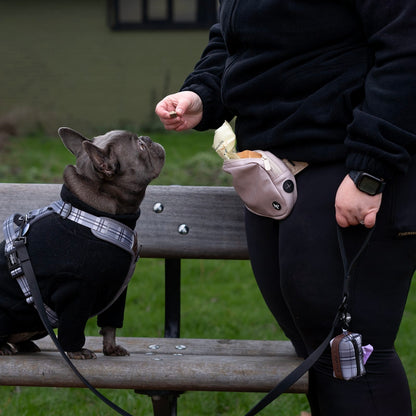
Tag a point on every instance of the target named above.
point(187, 108)
point(353, 207)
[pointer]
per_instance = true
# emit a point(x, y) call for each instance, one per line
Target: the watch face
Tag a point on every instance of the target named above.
point(369, 185)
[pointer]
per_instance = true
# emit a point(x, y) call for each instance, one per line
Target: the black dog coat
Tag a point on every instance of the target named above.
point(78, 275)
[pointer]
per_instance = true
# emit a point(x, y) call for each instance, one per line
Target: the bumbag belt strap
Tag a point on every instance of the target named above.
point(341, 315)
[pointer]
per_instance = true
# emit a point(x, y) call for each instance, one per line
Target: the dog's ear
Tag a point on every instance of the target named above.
point(103, 160)
point(72, 140)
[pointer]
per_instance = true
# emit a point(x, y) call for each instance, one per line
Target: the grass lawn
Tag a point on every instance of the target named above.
point(219, 298)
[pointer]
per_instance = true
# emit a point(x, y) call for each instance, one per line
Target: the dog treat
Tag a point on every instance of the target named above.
point(172, 114)
point(249, 154)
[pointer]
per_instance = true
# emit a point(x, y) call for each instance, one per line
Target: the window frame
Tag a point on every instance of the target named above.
point(206, 17)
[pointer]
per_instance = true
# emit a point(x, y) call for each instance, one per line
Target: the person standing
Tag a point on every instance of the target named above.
point(331, 83)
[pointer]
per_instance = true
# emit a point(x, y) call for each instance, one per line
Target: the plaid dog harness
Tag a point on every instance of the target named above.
point(16, 227)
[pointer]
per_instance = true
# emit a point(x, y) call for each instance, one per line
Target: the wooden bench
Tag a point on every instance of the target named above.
point(177, 222)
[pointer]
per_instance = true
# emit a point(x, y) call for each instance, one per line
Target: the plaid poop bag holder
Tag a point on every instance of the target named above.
point(348, 355)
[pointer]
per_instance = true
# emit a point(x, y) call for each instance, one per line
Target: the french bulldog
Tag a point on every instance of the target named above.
point(78, 274)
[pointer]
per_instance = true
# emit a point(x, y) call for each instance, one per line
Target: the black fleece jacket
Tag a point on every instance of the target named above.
point(315, 80)
point(78, 275)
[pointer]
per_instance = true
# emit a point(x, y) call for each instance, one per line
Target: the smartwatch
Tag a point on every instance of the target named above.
point(367, 183)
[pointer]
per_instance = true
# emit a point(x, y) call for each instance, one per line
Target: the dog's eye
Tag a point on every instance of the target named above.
point(141, 145)
point(144, 143)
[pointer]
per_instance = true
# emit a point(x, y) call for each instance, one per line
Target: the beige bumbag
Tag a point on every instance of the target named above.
point(264, 183)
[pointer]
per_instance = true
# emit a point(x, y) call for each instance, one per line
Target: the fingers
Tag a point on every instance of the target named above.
point(369, 220)
point(345, 220)
point(342, 220)
point(353, 207)
point(180, 111)
point(168, 113)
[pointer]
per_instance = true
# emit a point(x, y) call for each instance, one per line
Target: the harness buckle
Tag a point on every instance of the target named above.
point(21, 239)
point(13, 264)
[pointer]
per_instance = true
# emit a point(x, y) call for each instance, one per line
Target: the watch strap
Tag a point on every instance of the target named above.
point(360, 178)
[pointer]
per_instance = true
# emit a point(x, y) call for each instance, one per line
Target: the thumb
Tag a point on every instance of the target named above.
point(187, 102)
point(182, 107)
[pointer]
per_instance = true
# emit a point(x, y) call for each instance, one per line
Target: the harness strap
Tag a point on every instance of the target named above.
point(102, 227)
point(105, 229)
point(16, 227)
point(14, 233)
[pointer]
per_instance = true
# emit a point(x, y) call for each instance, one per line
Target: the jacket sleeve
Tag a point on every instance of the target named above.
point(205, 80)
point(382, 136)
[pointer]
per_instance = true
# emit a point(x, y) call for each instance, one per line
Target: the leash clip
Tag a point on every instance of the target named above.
point(344, 316)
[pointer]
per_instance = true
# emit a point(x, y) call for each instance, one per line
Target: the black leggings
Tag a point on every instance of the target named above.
point(299, 271)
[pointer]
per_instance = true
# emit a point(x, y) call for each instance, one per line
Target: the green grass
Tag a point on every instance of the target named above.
point(219, 298)
point(40, 159)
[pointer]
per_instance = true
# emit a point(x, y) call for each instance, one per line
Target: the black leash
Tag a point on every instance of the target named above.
point(341, 315)
point(20, 245)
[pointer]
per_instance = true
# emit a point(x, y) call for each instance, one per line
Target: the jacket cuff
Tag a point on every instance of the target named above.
point(214, 114)
point(365, 163)
point(377, 147)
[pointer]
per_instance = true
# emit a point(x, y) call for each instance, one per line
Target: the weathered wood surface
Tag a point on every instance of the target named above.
point(201, 209)
point(163, 364)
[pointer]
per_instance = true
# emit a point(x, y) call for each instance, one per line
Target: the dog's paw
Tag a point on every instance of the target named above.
point(6, 349)
point(27, 346)
point(115, 351)
point(84, 354)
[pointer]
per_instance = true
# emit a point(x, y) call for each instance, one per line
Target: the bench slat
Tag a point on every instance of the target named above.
point(205, 365)
point(193, 346)
point(208, 237)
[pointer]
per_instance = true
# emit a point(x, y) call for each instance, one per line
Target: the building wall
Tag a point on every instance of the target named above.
point(62, 64)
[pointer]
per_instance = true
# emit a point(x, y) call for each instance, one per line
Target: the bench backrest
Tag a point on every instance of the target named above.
point(176, 221)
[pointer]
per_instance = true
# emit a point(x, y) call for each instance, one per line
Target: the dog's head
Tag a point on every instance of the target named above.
point(113, 170)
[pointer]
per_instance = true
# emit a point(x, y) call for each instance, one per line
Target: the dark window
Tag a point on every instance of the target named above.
point(161, 14)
